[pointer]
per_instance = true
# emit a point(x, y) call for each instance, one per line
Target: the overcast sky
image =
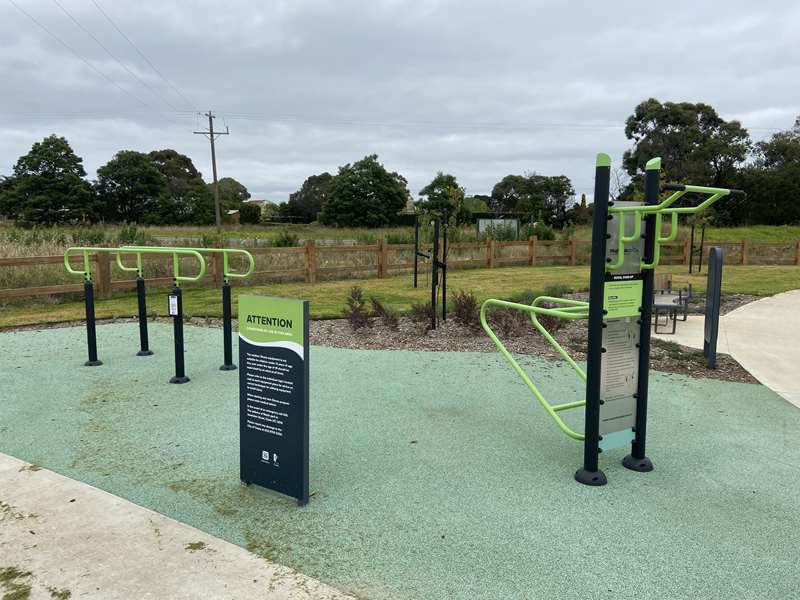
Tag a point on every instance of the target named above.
point(477, 89)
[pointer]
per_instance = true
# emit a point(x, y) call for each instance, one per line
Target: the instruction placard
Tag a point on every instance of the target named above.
point(273, 394)
point(622, 298)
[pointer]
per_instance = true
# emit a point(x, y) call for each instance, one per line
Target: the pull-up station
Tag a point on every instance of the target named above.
point(626, 248)
point(175, 298)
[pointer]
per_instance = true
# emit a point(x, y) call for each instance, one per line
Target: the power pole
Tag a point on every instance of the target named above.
point(212, 136)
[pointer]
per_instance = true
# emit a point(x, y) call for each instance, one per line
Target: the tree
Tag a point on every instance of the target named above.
point(130, 187)
point(772, 183)
point(48, 186)
point(306, 203)
point(444, 193)
point(231, 194)
point(695, 143)
point(782, 149)
point(543, 196)
point(364, 194)
point(250, 214)
point(187, 199)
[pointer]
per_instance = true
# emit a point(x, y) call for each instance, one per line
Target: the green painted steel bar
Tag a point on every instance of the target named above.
point(138, 250)
point(568, 313)
point(226, 252)
point(176, 253)
point(577, 307)
point(137, 269)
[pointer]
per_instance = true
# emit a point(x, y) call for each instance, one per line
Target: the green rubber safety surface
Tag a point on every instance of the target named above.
point(434, 474)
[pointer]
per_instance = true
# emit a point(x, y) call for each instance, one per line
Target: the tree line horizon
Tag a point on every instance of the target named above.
point(48, 185)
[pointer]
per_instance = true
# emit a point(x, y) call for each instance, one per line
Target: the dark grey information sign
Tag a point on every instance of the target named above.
point(273, 394)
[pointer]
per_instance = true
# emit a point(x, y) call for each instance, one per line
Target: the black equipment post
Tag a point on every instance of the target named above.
point(444, 266)
point(144, 344)
point(227, 337)
point(691, 252)
point(434, 271)
point(637, 460)
point(91, 333)
point(713, 297)
point(176, 310)
point(591, 474)
point(702, 249)
point(416, 248)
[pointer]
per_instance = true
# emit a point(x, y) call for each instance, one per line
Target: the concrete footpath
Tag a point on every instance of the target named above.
point(763, 337)
point(60, 538)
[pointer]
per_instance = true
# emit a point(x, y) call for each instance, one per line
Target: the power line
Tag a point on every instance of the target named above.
point(81, 58)
point(147, 60)
point(117, 60)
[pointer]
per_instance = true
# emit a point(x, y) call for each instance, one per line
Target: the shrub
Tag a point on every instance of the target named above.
point(356, 312)
point(130, 235)
point(386, 314)
point(541, 231)
point(285, 239)
point(421, 312)
point(93, 236)
point(465, 308)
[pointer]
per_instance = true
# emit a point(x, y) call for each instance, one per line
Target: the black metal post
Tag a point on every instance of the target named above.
point(444, 267)
point(702, 249)
point(227, 335)
point(434, 271)
point(144, 343)
point(691, 253)
point(637, 460)
point(91, 333)
point(416, 248)
point(177, 326)
point(590, 473)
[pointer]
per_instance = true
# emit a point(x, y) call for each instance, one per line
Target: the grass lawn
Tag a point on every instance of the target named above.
point(328, 298)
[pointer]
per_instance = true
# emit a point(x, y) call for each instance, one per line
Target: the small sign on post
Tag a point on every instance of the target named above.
point(173, 305)
point(273, 394)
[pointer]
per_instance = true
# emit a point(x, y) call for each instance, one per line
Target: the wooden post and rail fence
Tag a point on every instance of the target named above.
point(315, 262)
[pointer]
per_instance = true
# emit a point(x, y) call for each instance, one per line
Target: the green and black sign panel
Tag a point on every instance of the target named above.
point(273, 394)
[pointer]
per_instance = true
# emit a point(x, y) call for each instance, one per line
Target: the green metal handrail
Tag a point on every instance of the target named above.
point(138, 250)
point(574, 310)
point(663, 208)
point(226, 272)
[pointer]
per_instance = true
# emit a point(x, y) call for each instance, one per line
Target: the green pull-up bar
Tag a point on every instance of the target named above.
point(663, 208)
point(138, 250)
point(227, 273)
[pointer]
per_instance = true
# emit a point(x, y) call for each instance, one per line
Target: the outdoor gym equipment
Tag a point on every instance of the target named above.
point(439, 227)
point(88, 287)
point(227, 274)
point(626, 248)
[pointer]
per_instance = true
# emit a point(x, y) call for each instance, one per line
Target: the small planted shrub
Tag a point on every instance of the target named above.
point(356, 312)
point(466, 309)
point(388, 316)
point(421, 312)
point(285, 239)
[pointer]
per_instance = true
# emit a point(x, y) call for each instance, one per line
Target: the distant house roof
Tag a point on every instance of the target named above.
point(233, 212)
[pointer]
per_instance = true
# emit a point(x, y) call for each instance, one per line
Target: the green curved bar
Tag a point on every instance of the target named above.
point(663, 208)
point(226, 272)
point(575, 310)
point(176, 252)
point(574, 306)
point(137, 269)
point(86, 250)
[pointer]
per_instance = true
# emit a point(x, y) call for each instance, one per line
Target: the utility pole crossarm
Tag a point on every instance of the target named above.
point(212, 136)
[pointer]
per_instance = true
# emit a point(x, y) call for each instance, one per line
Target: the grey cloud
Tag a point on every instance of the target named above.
point(478, 89)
